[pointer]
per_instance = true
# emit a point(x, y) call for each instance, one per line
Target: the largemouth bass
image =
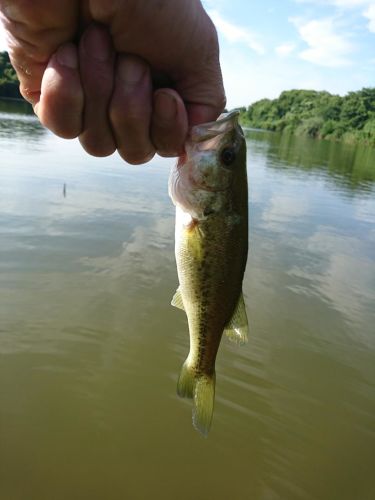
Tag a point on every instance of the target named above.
point(208, 185)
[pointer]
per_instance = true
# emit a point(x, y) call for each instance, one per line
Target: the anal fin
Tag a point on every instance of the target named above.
point(186, 381)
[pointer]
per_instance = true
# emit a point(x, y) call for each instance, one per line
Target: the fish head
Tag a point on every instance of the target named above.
point(206, 177)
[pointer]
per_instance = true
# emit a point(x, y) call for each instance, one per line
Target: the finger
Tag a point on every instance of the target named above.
point(169, 123)
point(61, 100)
point(201, 83)
point(35, 31)
point(201, 113)
point(97, 74)
point(130, 110)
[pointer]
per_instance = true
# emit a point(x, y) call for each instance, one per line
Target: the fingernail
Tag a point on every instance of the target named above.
point(96, 44)
point(165, 106)
point(67, 56)
point(131, 70)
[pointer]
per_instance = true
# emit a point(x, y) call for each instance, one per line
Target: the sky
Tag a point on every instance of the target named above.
point(275, 45)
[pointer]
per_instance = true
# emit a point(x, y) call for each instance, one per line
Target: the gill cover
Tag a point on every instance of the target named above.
point(201, 177)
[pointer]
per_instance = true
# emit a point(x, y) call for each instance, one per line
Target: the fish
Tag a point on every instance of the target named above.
point(208, 186)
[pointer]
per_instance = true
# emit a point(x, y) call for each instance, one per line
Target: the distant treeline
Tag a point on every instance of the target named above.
point(8, 79)
point(317, 114)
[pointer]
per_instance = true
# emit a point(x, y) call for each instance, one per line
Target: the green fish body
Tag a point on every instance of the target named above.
point(209, 188)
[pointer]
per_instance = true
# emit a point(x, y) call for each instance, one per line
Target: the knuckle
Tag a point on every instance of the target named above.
point(166, 146)
point(62, 130)
point(95, 147)
point(127, 117)
point(102, 10)
point(136, 157)
point(168, 153)
point(99, 87)
point(167, 141)
point(119, 117)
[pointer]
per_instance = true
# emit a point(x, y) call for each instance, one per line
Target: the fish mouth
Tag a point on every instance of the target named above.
point(206, 131)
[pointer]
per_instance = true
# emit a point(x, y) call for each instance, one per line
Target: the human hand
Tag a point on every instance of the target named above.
point(104, 88)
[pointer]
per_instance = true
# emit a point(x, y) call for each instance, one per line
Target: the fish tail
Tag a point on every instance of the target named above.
point(186, 381)
point(201, 388)
point(204, 396)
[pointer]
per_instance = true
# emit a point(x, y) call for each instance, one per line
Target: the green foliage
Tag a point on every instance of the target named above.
point(317, 114)
point(353, 112)
point(310, 126)
point(9, 85)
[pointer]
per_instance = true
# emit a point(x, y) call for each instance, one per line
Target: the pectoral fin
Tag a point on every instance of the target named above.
point(237, 328)
point(177, 300)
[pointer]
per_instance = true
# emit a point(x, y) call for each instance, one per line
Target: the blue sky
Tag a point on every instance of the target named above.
point(269, 46)
point(273, 45)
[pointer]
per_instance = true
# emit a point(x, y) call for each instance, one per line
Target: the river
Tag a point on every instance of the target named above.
point(90, 348)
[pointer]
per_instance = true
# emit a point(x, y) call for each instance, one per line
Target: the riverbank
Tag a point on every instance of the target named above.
point(321, 115)
point(15, 106)
point(12, 99)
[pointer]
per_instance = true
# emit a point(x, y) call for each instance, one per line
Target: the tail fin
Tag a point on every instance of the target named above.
point(204, 396)
point(186, 381)
point(202, 389)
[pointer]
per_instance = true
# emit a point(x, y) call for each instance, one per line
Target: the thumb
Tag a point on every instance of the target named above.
point(203, 113)
point(203, 92)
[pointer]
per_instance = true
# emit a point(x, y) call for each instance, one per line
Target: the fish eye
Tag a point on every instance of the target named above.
point(228, 155)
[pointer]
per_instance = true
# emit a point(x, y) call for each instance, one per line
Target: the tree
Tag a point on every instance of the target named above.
point(317, 114)
point(9, 85)
point(353, 111)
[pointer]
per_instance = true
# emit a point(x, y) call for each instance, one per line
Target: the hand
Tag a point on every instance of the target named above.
point(93, 70)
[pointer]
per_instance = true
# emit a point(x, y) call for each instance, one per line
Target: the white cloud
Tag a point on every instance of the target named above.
point(285, 49)
point(236, 34)
point(249, 76)
point(347, 278)
point(347, 4)
point(326, 46)
point(281, 209)
point(248, 79)
point(370, 14)
point(365, 211)
point(351, 3)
